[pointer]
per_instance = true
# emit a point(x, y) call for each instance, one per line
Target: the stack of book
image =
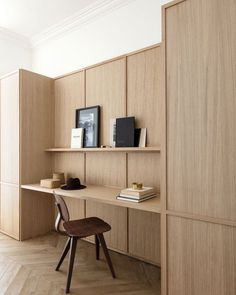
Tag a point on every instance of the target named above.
point(137, 195)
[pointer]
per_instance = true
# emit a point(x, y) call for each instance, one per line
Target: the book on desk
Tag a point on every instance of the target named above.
point(137, 196)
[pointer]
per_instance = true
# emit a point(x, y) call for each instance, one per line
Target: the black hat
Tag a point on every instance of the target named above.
point(73, 184)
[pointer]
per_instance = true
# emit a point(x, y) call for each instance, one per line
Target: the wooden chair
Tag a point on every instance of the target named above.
point(77, 229)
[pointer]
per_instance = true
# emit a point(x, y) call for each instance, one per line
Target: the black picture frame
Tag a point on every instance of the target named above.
point(89, 119)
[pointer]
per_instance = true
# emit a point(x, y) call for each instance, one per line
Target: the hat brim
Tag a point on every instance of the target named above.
point(66, 187)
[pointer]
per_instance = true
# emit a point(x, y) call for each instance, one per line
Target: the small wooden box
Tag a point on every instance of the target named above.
point(50, 183)
point(59, 175)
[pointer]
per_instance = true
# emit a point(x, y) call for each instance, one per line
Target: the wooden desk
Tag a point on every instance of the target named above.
point(135, 226)
point(103, 194)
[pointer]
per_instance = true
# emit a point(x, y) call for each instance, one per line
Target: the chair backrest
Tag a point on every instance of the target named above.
point(63, 213)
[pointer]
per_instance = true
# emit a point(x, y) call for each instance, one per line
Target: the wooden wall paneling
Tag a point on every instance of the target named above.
point(37, 214)
point(145, 235)
point(10, 210)
point(106, 169)
point(201, 257)
point(69, 96)
point(116, 217)
point(72, 164)
point(144, 168)
point(145, 92)
point(106, 86)
point(10, 129)
point(144, 101)
point(201, 107)
point(36, 125)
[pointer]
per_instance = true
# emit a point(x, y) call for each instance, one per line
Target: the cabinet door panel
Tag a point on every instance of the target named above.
point(10, 210)
point(144, 168)
point(145, 92)
point(105, 86)
point(106, 169)
point(144, 235)
point(10, 129)
point(201, 258)
point(201, 107)
point(37, 214)
point(116, 217)
point(69, 96)
point(71, 164)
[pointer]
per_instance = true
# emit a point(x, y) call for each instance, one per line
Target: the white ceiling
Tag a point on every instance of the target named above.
point(31, 17)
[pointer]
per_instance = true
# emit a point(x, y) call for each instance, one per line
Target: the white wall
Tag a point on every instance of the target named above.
point(14, 54)
point(126, 29)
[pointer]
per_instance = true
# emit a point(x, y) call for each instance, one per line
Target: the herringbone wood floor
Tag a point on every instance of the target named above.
point(28, 268)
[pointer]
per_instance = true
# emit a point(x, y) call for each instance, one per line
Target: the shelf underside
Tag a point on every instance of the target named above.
point(118, 149)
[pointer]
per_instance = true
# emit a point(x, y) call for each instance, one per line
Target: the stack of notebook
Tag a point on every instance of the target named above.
point(138, 195)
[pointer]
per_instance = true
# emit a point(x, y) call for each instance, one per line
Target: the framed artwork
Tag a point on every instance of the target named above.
point(89, 119)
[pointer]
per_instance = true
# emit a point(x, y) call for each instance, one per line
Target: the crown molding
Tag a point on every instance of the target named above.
point(77, 20)
point(14, 37)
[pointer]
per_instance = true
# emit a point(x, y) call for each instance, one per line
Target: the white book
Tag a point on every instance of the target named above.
point(77, 136)
point(142, 138)
point(138, 192)
point(127, 196)
point(134, 200)
point(112, 132)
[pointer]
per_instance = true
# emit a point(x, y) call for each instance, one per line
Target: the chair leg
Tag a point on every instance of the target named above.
point(73, 243)
point(64, 253)
point(97, 247)
point(105, 250)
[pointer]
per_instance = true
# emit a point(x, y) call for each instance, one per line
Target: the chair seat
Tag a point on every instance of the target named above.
point(86, 227)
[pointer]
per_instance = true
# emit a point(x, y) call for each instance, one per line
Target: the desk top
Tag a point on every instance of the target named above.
point(102, 194)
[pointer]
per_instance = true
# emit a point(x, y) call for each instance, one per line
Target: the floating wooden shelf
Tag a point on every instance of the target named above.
point(103, 194)
point(118, 149)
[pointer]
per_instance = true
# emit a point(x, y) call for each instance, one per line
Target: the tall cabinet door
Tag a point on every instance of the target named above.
point(9, 213)
point(10, 129)
point(105, 86)
point(10, 210)
point(201, 146)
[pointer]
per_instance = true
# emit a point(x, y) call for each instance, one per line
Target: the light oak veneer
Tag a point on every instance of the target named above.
point(36, 126)
point(144, 235)
point(201, 258)
point(144, 92)
point(26, 131)
point(50, 111)
point(98, 193)
point(10, 129)
point(10, 214)
point(201, 107)
point(69, 96)
point(198, 228)
point(106, 169)
point(105, 86)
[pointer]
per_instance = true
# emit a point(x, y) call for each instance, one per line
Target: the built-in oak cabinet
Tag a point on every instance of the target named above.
point(200, 48)
point(9, 105)
point(144, 235)
point(10, 129)
point(25, 130)
point(127, 86)
point(37, 113)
